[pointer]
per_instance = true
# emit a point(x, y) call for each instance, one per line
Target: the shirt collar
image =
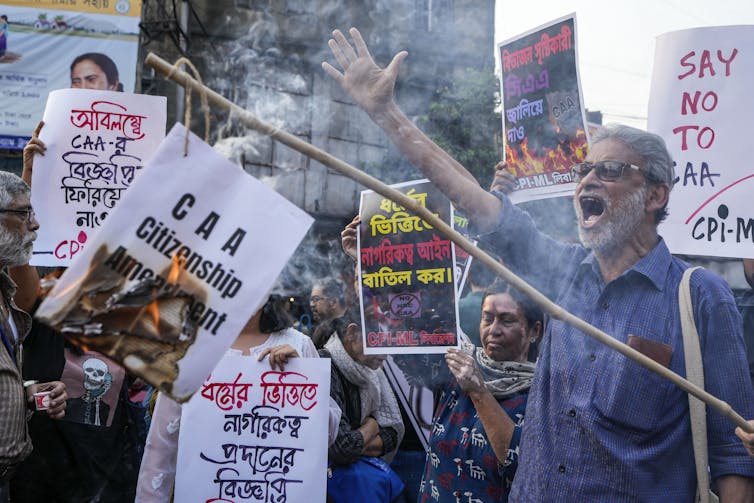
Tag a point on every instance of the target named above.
point(654, 265)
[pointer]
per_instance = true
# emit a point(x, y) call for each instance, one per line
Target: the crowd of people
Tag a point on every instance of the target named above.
point(526, 408)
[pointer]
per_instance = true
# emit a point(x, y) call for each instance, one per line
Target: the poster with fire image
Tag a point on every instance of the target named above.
point(544, 123)
point(406, 272)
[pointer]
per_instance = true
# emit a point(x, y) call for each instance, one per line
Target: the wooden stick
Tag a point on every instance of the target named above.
point(370, 182)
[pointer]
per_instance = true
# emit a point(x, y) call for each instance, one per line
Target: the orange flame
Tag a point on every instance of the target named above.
point(523, 161)
point(175, 268)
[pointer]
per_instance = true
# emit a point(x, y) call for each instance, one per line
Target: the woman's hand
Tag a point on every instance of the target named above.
point(33, 147)
point(279, 355)
point(464, 368)
point(348, 237)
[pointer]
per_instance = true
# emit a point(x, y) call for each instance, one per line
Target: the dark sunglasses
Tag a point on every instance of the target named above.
point(607, 171)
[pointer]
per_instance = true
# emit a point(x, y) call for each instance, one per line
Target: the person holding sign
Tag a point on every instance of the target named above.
point(267, 335)
point(599, 427)
point(476, 427)
point(370, 426)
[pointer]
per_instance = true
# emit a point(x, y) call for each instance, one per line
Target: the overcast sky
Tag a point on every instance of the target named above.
point(616, 41)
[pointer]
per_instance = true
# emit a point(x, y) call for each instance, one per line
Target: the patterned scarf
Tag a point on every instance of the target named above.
point(377, 398)
point(502, 378)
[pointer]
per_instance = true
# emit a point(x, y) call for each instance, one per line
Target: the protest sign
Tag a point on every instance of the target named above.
point(408, 295)
point(97, 143)
point(543, 111)
point(44, 38)
point(700, 103)
point(254, 434)
point(178, 268)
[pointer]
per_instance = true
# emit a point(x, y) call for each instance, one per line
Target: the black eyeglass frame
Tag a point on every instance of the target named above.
point(616, 169)
point(28, 213)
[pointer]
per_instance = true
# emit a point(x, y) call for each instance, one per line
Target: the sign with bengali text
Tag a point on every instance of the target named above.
point(256, 434)
point(406, 271)
point(97, 144)
point(178, 268)
point(543, 111)
point(700, 103)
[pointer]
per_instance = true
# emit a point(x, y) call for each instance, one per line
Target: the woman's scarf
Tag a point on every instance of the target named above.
point(377, 398)
point(504, 378)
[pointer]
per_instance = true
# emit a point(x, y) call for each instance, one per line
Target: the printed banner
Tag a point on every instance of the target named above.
point(543, 111)
point(41, 45)
point(97, 143)
point(254, 434)
point(178, 268)
point(700, 103)
point(408, 294)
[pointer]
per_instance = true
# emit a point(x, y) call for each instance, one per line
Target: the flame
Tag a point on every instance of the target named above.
point(154, 310)
point(175, 268)
point(524, 160)
point(153, 307)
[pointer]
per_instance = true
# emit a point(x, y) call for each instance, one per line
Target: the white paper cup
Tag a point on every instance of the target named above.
point(42, 400)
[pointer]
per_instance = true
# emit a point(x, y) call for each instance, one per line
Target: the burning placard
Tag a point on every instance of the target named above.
point(179, 267)
point(700, 95)
point(543, 111)
point(97, 144)
point(408, 294)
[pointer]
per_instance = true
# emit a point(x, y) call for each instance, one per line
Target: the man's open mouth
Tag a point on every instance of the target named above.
point(592, 209)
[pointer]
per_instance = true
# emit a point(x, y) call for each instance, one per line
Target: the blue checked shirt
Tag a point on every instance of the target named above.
point(600, 427)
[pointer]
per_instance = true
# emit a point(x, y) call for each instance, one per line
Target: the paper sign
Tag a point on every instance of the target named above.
point(701, 103)
point(543, 111)
point(408, 301)
point(179, 267)
point(254, 434)
point(97, 143)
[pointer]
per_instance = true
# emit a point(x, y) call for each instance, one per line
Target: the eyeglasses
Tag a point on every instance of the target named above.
point(607, 171)
point(316, 298)
point(26, 213)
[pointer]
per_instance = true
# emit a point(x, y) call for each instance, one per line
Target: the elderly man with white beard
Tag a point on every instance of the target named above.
point(17, 234)
point(599, 427)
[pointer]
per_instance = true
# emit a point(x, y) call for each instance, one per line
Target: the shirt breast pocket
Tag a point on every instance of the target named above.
point(630, 397)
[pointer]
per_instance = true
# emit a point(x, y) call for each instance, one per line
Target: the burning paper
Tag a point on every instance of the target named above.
point(179, 267)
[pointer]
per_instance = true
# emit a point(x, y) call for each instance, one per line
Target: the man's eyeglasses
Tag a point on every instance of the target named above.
point(607, 171)
point(26, 213)
point(316, 298)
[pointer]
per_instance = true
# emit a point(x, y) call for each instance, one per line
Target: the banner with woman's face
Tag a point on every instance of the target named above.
point(51, 46)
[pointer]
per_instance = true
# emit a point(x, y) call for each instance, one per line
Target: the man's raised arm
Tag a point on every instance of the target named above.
point(372, 88)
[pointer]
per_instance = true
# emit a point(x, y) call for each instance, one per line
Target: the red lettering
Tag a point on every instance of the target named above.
point(700, 141)
point(706, 62)
point(709, 102)
point(727, 61)
point(691, 66)
point(62, 243)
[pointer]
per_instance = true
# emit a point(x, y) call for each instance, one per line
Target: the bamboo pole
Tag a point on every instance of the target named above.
point(370, 182)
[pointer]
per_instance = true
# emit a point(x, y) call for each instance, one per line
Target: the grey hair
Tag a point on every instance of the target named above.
point(651, 147)
point(10, 187)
